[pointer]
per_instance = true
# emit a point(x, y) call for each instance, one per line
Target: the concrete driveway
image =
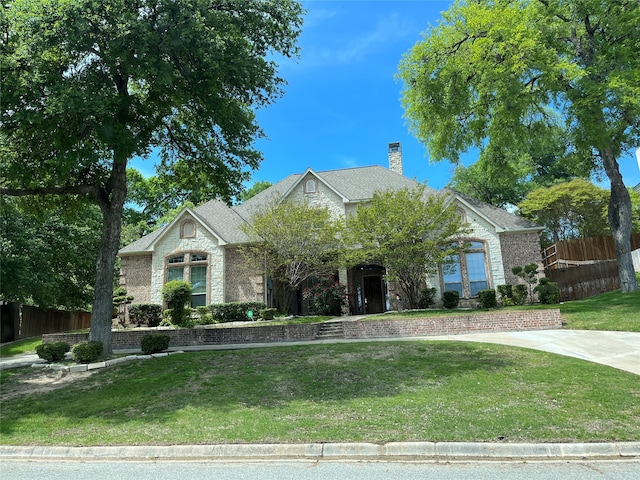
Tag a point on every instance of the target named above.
point(617, 349)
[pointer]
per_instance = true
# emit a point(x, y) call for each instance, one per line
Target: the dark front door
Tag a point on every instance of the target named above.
point(373, 294)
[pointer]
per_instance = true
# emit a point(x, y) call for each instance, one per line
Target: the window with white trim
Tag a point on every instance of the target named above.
point(467, 273)
point(194, 267)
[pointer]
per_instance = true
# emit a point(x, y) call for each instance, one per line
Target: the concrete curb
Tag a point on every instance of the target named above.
point(398, 451)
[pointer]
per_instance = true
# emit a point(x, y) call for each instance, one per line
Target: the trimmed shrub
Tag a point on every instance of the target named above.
point(450, 299)
point(87, 352)
point(147, 314)
point(548, 291)
point(204, 316)
point(177, 294)
point(236, 311)
point(268, 313)
point(53, 352)
point(487, 298)
point(154, 343)
point(427, 298)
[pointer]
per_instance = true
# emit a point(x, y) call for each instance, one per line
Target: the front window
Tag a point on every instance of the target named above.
point(467, 273)
point(192, 266)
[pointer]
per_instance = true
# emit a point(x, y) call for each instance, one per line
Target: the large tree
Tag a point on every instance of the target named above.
point(48, 250)
point(492, 72)
point(410, 232)
point(503, 176)
point(293, 242)
point(88, 85)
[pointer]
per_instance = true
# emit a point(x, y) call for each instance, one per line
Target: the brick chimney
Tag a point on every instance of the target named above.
point(395, 157)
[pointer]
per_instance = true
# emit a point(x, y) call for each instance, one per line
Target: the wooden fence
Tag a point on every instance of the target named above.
point(583, 251)
point(30, 322)
point(585, 281)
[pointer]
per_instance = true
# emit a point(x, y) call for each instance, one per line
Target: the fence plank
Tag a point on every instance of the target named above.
point(585, 281)
point(36, 321)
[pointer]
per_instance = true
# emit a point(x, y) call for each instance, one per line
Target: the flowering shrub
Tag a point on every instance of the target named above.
point(326, 297)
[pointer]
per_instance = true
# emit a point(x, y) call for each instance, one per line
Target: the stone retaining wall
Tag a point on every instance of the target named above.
point(501, 321)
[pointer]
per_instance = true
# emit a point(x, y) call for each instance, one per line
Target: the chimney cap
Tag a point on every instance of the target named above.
point(394, 147)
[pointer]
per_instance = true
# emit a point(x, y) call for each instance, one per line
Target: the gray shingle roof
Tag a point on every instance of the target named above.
point(354, 184)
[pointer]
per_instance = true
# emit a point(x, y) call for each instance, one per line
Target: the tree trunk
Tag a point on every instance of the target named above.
point(620, 221)
point(111, 201)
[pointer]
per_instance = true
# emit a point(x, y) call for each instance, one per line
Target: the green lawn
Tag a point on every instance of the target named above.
point(28, 345)
point(375, 392)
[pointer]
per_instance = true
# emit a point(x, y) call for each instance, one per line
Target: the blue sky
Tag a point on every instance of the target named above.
point(342, 103)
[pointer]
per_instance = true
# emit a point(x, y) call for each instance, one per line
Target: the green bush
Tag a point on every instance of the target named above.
point(52, 352)
point(505, 291)
point(87, 352)
point(427, 298)
point(154, 343)
point(236, 311)
point(520, 294)
point(487, 298)
point(204, 316)
point(268, 313)
point(450, 299)
point(548, 291)
point(147, 314)
point(177, 294)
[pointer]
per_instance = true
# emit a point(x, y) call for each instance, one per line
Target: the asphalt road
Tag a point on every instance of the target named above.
point(317, 470)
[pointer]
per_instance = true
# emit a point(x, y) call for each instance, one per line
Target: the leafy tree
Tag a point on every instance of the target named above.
point(504, 176)
point(568, 210)
point(409, 231)
point(528, 273)
point(252, 191)
point(294, 242)
point(88, 85)
point(49, 251)
point(493, 72)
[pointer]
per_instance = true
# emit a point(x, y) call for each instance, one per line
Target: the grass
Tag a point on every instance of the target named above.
point(609, 311)
point(27, 345)
point(375, 392)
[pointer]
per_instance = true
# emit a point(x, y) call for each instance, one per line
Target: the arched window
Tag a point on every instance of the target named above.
point(467, 273)
point(192, 266)
point(310, 186)
point(188, 229)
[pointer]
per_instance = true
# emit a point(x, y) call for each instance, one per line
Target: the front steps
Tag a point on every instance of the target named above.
point(330, 330)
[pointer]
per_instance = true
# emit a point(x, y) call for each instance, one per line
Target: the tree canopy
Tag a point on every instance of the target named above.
point(293, 242)
point(493, 72)
point(410, 232)
point(89, 85)
point(48, 251)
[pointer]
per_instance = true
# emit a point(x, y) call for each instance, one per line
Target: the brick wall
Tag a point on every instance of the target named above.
point(519, 250)
point(242, 283)
point(135, 276)
point(446, 325)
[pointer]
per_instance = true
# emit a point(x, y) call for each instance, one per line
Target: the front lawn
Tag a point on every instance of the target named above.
point(374, 392)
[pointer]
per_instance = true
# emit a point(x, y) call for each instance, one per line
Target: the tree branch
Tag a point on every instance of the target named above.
point(57, 190)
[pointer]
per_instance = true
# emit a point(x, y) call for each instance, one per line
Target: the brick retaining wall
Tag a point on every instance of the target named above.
point(445, 325)
point(413, 327)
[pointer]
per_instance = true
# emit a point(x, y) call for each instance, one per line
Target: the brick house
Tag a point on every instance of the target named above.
point(201, 244)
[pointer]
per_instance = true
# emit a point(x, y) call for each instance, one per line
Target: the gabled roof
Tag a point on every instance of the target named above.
point(500, 218)
point(353, 185)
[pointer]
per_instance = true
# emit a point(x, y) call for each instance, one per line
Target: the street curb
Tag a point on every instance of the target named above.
point(400, 451)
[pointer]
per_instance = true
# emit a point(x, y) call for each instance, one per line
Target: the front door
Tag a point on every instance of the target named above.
point(373, 294)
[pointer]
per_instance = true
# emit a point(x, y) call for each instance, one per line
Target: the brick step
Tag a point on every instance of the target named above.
point(331, 330)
